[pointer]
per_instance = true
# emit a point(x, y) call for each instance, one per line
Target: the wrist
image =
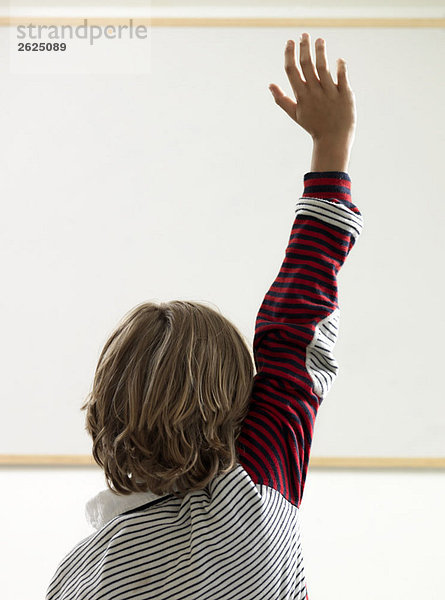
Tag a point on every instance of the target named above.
point(330, 155)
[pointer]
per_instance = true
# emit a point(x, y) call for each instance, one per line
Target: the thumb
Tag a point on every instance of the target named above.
point(286, 103)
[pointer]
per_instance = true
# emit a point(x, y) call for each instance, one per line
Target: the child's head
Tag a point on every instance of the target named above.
point(170, 392)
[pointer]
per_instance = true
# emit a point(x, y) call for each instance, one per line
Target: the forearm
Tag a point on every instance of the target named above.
point(330, 156)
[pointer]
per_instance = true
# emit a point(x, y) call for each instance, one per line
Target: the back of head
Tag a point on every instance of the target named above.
point(170, 392)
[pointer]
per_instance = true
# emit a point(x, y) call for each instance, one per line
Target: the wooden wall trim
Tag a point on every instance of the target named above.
point(305, 22)
point(79, 460)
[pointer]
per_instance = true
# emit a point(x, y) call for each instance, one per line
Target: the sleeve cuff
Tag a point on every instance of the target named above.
point(329, 185)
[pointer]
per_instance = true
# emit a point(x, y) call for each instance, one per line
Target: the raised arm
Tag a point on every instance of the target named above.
point(297, 323)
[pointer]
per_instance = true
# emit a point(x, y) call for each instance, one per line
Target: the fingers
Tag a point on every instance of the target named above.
point(306, 63)
point(321, 78)
point(286, 103)
point(292, 72)
point(342, 76)
point(318, 76)
point(321, 63)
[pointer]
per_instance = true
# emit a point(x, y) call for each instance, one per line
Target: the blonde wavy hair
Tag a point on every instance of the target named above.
point(170, 393)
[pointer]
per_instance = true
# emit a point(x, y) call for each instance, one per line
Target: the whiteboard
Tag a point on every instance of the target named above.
point(182, 183)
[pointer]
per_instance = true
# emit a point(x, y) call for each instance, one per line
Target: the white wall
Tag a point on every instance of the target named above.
point(124, 179)
point(366, 535)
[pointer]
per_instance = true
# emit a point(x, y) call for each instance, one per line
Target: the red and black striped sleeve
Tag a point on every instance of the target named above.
point(295, 333)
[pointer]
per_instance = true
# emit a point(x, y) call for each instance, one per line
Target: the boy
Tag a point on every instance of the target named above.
point(206, 465)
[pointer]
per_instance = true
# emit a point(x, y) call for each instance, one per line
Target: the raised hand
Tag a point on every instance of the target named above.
point(325, 109)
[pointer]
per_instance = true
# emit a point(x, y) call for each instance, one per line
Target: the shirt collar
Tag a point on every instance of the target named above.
point(106, 505)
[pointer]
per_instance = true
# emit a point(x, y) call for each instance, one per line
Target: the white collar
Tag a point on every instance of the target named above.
point(106, 505)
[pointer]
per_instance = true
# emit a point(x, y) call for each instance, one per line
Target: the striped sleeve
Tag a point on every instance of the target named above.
point(295, 333)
